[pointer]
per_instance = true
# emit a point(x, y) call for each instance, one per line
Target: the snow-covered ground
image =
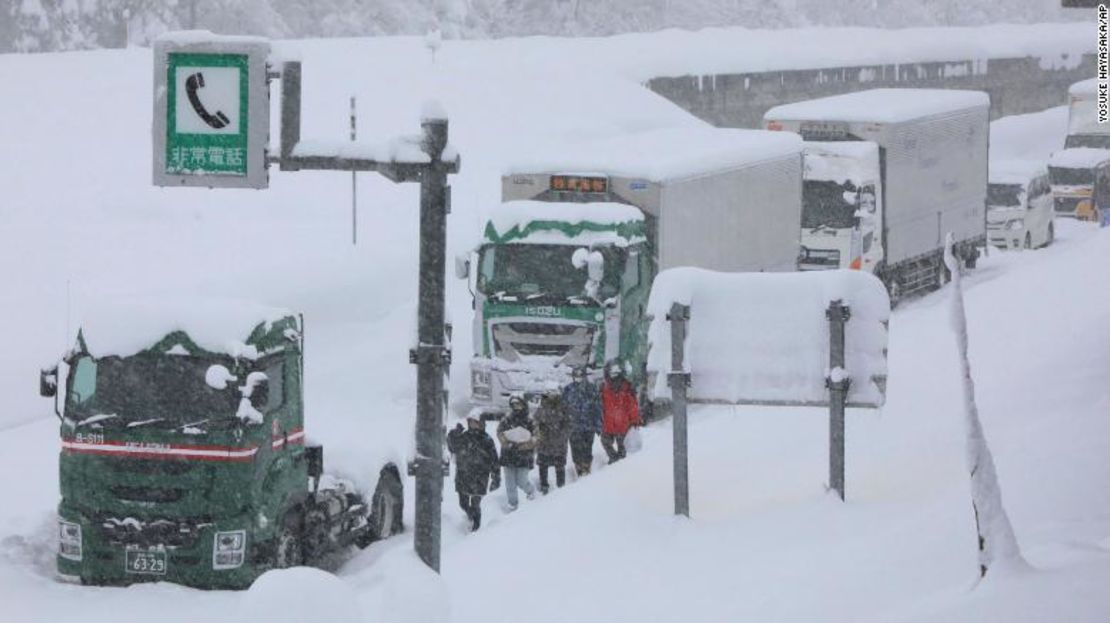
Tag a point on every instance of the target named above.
point(80, 222)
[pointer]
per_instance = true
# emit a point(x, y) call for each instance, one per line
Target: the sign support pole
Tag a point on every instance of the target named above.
point(678, 380)
point(838, 383)
point(432, 357)
point(432, 354)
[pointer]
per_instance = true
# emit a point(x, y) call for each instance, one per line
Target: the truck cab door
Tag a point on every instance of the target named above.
point(870, 227)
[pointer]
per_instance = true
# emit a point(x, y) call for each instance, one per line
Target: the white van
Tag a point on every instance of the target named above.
point(1019, 205)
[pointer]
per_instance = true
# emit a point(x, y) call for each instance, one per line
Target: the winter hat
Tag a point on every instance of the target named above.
point(615, 370)
point(475, 415)
point(517, 399)
point(551, 388)
point(579, 372)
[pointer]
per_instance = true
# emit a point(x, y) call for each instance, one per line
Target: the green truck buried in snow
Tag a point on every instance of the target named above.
point(562, 275)
point(184, 456)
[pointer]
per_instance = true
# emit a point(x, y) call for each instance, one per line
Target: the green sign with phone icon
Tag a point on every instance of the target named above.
point(211, 122)
point(206, 129)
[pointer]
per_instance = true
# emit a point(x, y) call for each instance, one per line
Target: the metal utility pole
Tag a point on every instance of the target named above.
point(838, 383)
point(432, 354)
point(678, 380)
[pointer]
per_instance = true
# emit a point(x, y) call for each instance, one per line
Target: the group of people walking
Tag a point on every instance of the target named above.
point(569, 416)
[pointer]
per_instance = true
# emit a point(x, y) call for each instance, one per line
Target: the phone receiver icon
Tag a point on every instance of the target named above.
point(194, 83)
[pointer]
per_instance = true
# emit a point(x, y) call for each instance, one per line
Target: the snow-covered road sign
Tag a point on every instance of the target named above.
point(764, 338)
point(211, 111)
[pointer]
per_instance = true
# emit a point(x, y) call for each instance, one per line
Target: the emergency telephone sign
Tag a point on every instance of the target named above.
point(211, 111)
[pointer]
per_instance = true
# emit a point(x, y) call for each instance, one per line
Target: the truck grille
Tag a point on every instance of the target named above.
point(166, 532)
point(147, 494)
point(144, 466)
point(568, 342)
point(819, 259)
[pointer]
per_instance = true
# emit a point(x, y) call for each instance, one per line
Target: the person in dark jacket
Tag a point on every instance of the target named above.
point(619, 410)
point(516, 432)
point(552, 435)
point(475, 466)
point(582, 403)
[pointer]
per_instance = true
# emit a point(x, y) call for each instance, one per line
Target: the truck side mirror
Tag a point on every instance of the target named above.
point(48, 382)
point(462, 266)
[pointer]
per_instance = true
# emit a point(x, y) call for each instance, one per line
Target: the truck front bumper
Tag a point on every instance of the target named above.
point(492, 382)
point(1005, 238)
point(209, 554)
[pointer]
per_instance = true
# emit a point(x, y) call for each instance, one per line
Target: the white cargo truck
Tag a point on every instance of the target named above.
point(1084, 130)
point(562, 274)
point(930, 156)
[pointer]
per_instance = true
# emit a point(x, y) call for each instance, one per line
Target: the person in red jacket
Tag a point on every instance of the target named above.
point(619, 410)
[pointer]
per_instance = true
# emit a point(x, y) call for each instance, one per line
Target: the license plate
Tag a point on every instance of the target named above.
point(148, 562)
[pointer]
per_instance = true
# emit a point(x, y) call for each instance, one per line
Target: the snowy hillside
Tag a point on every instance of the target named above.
point(80, 222)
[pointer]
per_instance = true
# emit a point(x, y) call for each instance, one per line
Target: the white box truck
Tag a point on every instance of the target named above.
point(889, 211)
point(562, 274)
point(1084, 130)
point(1080, 173)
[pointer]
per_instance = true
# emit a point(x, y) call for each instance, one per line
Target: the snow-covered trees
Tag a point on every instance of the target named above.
point(40, 25)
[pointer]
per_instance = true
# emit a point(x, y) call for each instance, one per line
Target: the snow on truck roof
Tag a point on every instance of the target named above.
point(880, 105)
point(1015, 171)
point(1084, 87)
point(222, 326)
point(550, 222)
point(661, 154)
point(1079, 157)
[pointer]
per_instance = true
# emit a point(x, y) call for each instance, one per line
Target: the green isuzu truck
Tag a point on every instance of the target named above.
point(184, 456)
point(563, 272)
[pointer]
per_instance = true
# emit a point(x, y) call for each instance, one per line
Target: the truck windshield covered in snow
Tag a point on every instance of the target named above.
point(1098, 141)
point(1005, 195)
point(828, 204)
point(1069, 176)
point(543, 271)
point(147, 389)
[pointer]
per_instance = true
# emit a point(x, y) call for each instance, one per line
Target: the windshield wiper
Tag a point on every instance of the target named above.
point(145, 422)
point(98, 419)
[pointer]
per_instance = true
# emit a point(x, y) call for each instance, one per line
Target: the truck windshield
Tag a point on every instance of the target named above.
point(1097, 141)
point(543, 271)
point(1004, 195)
point(1070, 177)
point(826, 204)
point(155, 389)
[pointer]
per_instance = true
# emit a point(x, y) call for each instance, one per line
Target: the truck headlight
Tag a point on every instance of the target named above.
point(480, 382)
point(229, 549)
point(69, 540)
point(1016, 224)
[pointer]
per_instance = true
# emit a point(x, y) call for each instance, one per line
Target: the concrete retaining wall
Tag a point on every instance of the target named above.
point(1016, 86)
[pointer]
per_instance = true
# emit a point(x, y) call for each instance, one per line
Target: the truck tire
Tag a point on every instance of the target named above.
point(387, 505)
point(288, 548)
